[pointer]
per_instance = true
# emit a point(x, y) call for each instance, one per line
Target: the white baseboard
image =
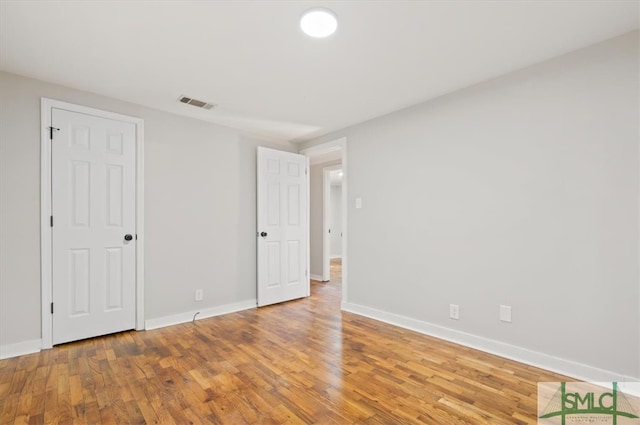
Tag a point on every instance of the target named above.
point(176, 319)
point(523, 355)
point(316, 277)
point(20, 348)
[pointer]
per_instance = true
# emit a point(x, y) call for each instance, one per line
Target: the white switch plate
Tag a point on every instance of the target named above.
point(199, 295)
point(505, 313)
point(358, 202)
point(454, 311)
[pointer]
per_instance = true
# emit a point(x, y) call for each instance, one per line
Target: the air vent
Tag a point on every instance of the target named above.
point(195, 102)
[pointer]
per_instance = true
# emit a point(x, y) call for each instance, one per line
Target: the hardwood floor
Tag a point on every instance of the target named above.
point(335, 270)
point(303, 362)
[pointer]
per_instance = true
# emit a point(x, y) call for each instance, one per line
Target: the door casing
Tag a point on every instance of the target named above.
point(46, 257)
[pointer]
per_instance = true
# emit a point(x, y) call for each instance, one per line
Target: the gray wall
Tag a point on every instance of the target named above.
point(199, 198)
point(521, 191)
point(316, 207)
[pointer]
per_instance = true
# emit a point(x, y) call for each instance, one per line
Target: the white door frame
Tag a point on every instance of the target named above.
point(326, 220)
point(324, 148)
point(46, 253)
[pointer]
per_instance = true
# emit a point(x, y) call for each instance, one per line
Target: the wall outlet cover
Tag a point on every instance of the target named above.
point(505, 313)
point(454, 311)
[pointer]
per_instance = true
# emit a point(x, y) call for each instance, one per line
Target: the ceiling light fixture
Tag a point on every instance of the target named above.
point(319, 22)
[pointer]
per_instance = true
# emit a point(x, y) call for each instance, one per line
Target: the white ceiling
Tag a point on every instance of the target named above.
point(271, 80)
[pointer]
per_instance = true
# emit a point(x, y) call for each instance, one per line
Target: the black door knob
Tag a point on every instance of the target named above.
point(263, 234)
point(128, 237)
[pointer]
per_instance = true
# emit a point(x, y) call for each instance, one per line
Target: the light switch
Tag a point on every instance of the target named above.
point(358, 202)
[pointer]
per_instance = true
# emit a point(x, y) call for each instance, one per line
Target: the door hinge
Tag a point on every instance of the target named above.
point(51, 221)
point(136, 236)
point(305, 273)
point(51, 132)
point(306, 171)
point(51, 308)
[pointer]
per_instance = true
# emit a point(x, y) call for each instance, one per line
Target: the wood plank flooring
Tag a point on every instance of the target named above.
point(303, 362)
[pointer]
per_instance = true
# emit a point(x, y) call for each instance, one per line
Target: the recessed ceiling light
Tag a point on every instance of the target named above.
point(319, 22)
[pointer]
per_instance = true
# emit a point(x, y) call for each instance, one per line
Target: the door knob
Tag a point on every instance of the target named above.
point(263, 234)
point(128, 237)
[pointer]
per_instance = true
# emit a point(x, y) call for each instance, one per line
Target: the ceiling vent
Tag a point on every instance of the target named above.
point(195, 102)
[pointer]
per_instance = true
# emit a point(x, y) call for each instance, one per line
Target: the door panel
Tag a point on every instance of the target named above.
point(273, 264)
point(283, 216)
point(293, 202)
point(93, 204)
point(294, 261)
point(80, 172)
point(79, 282)
point(115, 195)
point(114, 278)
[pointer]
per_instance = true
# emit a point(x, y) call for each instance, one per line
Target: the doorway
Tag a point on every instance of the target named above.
point(332, 177)
point(333, 153)
point(333, 219)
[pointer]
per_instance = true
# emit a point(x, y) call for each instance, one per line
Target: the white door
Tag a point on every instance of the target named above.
point(283, 251)
point(93, 204)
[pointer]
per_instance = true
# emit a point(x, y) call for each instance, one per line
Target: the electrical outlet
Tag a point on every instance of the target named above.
point(199, 295)
point(505, 313)
point(454, 311)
